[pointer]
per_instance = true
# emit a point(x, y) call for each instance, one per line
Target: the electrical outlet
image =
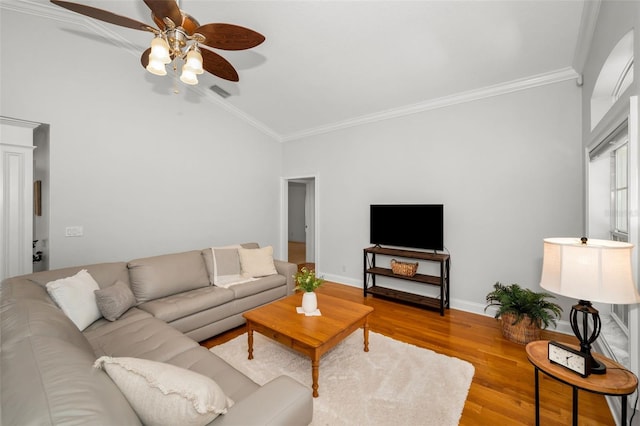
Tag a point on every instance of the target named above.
point(74, 231)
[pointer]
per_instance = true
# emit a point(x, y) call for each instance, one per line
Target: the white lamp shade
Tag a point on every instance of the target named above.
point(599, 271)
point(160, 51)
point(188, 76)
point(156, 67)
point(193, 62)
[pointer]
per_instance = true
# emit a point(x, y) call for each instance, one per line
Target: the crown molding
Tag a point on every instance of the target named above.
point(459, 98)
point(50, 11)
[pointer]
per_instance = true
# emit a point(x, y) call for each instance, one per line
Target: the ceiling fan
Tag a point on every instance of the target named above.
point(179, 36)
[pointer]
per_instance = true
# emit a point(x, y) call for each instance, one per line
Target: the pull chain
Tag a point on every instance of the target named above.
point(176, 90)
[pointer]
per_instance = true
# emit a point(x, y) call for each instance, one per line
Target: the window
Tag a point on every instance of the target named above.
point(625, 80)
point(620, 214)
point(614, 78)
point(609, 219)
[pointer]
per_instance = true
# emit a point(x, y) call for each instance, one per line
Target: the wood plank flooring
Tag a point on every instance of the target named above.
point(502, 389)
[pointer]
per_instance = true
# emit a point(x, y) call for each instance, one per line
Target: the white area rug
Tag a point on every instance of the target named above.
point(395, 383)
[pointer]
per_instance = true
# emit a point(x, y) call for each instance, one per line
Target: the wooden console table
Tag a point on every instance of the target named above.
point(441, 281)
point(617, 381)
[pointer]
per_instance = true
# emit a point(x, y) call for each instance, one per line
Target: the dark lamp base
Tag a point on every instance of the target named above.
point(582, 333)
point(597, 367)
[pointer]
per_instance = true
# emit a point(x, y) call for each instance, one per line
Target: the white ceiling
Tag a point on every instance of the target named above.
point(330, 64)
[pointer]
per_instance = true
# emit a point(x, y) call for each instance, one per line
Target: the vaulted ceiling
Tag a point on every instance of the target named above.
point(330, 64)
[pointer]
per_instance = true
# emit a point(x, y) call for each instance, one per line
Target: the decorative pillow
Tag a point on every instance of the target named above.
point(164, 394)
point(257, 262)
point(226, 264)
point(74, 295)
point(223, 264)
point(115, 300)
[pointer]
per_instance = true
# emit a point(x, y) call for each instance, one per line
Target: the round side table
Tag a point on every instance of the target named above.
point(617, 381)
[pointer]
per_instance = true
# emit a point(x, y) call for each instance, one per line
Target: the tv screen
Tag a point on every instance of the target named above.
point(407, 225)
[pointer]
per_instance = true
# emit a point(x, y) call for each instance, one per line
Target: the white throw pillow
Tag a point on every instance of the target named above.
point(164, 394)
point(257, 262)
point(75, 296)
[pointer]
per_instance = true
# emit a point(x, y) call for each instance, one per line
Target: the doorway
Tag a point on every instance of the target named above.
point(24, 183)
point(299, 227)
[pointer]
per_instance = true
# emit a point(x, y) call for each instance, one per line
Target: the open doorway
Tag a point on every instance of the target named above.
point(300, 223)
point(24, 188)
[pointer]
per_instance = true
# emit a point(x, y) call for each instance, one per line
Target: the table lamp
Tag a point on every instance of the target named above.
point(590, 271)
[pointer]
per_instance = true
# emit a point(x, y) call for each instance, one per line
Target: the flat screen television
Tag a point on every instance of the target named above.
point(417, 226)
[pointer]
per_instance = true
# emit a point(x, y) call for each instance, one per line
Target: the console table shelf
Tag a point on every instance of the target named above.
point(441, 281)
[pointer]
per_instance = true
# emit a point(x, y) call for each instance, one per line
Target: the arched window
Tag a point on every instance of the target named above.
point(615, 77)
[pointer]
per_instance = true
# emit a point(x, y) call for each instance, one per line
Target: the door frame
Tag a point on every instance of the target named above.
point(312, 232)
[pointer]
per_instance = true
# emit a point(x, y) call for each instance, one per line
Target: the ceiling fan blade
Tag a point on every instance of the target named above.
point(144, 59)
point(217, 65)
point(103, 15)
point(165, 9)
point(229, 37)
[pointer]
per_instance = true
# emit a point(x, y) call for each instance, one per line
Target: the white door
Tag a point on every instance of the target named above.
point(16, 210)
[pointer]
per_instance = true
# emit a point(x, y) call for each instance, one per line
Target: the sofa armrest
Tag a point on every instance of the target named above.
point(282, 401)
point(288, 270)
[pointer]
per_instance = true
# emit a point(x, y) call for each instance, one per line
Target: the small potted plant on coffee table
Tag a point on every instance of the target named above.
point(307, 281)
point(523, 312)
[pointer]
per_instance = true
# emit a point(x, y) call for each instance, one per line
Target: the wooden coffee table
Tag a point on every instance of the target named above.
point(309, 335)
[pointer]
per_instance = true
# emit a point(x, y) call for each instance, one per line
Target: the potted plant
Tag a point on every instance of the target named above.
point(523, 311)
point(307, 281)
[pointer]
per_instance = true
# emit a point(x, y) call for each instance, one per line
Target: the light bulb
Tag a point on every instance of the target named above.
point(188, 76)
point(193, 62)
point(160, 50)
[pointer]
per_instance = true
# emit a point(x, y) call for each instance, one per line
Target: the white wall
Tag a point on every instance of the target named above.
point(142, 170)
point(507, 168)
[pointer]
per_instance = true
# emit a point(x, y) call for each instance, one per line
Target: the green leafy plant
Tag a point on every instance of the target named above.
point(306, 280)
point(520, 301)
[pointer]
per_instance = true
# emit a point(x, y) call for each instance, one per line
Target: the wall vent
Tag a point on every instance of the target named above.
point(220, 91)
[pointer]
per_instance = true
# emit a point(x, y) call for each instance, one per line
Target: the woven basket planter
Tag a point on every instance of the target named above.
point(522, 332)
point(404, 268)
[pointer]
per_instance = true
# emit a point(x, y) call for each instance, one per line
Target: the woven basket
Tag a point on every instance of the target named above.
point(403, 268)
point(522, 332)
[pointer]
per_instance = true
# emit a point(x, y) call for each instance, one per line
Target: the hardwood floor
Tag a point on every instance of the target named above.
point(297, 255)
point(502, 389)
point(297, 252)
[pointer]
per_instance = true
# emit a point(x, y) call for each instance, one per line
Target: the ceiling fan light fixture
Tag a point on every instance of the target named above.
point(156, 67)
point(188, 76)
point(177, 37)
point(160, 50)
point(193, 61)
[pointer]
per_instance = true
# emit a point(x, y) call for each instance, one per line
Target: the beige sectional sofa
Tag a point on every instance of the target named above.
point(47, 361)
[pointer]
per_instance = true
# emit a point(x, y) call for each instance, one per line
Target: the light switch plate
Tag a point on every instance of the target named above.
point(74, 231)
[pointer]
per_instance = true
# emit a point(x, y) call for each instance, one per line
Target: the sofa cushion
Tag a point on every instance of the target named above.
point(105, 274)
point(137, 334)
point(235, 385)
point(160, 276)
point(75, 296)
point(258, 286)
point(115, 300)
point(187, 303)
point(163, 394)
point(257, 262)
